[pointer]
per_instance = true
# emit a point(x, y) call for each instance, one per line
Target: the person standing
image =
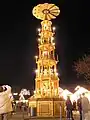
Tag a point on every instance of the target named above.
point(69, 108)
point(85, 104)
point(87, 115)
point(74, 105)
point(5, 102)
point(79, 105)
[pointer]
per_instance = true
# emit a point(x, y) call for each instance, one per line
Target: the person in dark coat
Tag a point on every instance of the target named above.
point(79, 105)
point(69, 108)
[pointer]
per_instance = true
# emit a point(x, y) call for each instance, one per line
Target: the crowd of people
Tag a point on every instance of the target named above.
point(82, 105)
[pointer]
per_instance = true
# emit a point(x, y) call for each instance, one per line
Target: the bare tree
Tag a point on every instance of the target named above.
point(82, 66)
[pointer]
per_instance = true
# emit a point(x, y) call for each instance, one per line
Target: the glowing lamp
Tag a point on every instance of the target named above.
point(54, 28)
point(52, 38)
point(53, 44)
point(57, 74)
point(38, 39)
point(39, 29)
point(15, 93)
point(36, 71)
point(36, 57)
point(55, 70)
point(34, 91)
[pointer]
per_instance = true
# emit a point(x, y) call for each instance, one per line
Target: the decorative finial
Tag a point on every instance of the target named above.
point(46, 11)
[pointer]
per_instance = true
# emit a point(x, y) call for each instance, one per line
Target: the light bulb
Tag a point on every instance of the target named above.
point(52, 38)
point(34, 91)
point(36, 57)
point(53, 44)
point(36, 71)
point(54, 28)
point(54, 70)
point(38, 39)
point(57, 74)
point(39, 29)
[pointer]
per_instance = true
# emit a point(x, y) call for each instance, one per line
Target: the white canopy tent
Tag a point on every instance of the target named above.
point(79, 91)
point(66, 93)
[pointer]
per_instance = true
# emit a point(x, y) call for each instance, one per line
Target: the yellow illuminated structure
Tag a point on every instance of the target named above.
point(46, 95)
point(47, 81)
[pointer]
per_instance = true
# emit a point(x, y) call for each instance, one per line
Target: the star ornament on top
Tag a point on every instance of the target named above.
point(46, 11)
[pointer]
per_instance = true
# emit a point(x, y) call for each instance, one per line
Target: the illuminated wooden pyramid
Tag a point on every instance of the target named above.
point(47, 81)
point(46, 101)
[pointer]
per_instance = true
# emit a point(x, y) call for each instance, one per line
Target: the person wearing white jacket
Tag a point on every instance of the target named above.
point(5, 101)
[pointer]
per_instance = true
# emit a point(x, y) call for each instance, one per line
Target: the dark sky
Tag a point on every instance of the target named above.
point(18, 40)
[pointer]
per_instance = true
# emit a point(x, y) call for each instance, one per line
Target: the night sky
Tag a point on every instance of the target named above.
point(18, 40)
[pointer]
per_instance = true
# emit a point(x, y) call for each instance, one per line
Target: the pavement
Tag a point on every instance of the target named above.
point(24, 116)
